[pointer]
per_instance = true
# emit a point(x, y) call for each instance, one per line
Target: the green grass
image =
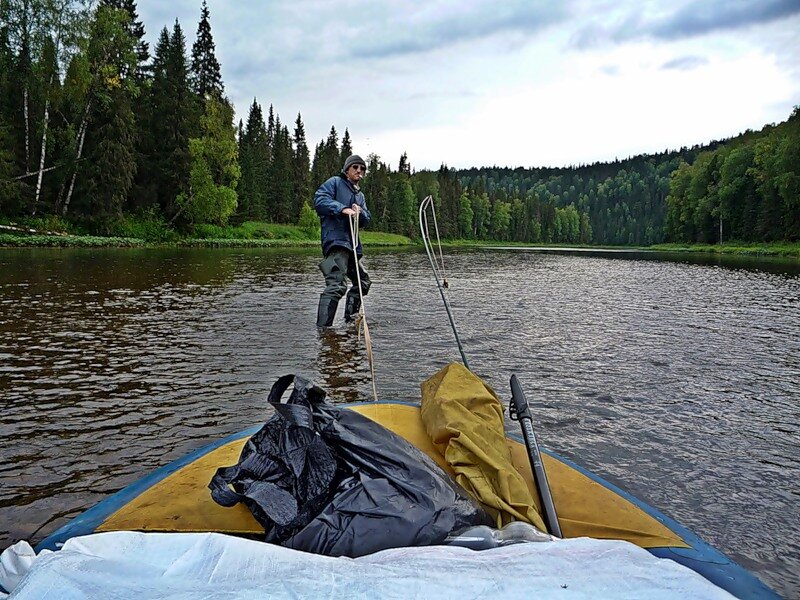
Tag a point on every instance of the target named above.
point(144, 230)
point(785, 249)
point(149, 230)
point(69, 241)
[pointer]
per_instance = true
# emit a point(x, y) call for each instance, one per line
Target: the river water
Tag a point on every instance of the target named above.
point(677, 377)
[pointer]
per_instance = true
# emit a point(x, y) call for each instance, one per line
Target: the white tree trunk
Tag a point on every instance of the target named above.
point(44, 149)
point(81, 137)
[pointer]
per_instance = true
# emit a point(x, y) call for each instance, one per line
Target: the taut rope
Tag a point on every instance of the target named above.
point(361, 322)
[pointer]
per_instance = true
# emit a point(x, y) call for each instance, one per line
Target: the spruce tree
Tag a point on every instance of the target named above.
point(174, 119)
point(205, 72)
point(10, 187)
point(327, 159)
point(319, 171)
point(141, 193)
point(135, 29)
point(300, 168)
point(154, 101)
point(347, 147)
point(404, 166)
point(331, 154)
point(279, 184)
point(106, 176)
point(254, 160)
point(376, 190)
point(270, 129)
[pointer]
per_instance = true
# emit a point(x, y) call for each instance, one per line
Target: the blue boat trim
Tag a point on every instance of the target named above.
point(702, 558)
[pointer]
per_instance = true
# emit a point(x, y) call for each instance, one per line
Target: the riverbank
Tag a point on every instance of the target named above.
point(777, 249)
point(269, 235)
point(784, 249)
point(247, 235)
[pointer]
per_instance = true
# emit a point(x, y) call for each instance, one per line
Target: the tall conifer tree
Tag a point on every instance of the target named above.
point(135, 29)
point(318, 174)
point(205, 72)
point(300, 168)
point(347, 147)
point(254, 160)
point(331, 155)
point(279, 183)
point(270, 129)
point(173, 120)
point(107, 174)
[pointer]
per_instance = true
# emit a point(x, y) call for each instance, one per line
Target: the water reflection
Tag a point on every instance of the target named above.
point(341, 364)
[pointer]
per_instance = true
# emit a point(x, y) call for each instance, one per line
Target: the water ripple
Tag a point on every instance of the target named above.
point(677, 380)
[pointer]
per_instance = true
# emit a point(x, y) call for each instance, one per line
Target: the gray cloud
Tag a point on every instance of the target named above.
point(685, 63)
point(695, 18)
point(700, 17)
point(427, 26)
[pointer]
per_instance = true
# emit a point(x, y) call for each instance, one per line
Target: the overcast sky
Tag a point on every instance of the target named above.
point(508, 83)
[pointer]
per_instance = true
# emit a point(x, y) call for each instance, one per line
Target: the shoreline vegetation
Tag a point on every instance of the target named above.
point(271, 235)
point(100, 134)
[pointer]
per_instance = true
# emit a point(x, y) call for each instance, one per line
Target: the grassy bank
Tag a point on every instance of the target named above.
point(785, 249)
point(143, 232)
point(247, 235)
point(781, 249)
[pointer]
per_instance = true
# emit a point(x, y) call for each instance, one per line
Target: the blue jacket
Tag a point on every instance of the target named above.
point(332, 197)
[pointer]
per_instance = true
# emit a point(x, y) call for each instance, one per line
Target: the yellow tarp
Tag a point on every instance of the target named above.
point(464, 419)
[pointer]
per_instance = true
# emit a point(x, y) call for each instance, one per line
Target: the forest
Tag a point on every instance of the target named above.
point(99, 134)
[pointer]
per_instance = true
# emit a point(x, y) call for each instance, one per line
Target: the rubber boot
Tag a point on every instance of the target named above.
point(326, 311)
point(351, 308)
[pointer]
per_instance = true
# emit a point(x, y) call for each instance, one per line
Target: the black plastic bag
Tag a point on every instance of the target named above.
point(331, 481)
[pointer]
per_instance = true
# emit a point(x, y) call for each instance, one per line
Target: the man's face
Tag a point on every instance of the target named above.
point(356, 172)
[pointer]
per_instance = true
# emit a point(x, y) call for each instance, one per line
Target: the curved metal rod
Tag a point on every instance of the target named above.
point(423, 226)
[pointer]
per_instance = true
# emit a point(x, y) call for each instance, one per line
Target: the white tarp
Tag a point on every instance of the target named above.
point(209, 565)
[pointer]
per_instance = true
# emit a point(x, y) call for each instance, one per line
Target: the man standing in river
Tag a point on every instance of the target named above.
point(336, 201)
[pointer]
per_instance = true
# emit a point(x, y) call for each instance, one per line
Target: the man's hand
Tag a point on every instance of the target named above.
point(353, 210)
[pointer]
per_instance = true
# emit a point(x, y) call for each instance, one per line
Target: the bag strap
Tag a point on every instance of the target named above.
point(303, 390)
point(221, 492)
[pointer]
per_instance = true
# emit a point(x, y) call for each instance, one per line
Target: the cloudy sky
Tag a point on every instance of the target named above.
point(506, 82)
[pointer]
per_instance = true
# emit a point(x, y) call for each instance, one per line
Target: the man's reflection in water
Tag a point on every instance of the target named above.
point(343, 366)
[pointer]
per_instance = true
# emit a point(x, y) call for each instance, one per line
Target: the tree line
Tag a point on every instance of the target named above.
point(748, 189)
point(93, 127)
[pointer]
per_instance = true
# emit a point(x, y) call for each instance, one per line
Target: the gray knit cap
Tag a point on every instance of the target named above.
point(355, 159)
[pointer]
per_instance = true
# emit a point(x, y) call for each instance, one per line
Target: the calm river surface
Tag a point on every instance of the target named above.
point(678, 379)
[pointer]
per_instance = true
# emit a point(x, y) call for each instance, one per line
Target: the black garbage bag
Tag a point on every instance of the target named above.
point(328, 480)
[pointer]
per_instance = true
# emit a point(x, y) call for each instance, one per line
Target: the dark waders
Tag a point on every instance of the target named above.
point(340, 263)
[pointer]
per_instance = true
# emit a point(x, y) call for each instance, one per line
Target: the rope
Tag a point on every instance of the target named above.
point(362, 313)
point(426, 240)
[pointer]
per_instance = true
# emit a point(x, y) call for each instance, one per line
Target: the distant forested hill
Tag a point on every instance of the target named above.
point(750, 183)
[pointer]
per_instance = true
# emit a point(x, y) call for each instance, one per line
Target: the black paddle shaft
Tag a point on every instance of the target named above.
point(519, 410)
